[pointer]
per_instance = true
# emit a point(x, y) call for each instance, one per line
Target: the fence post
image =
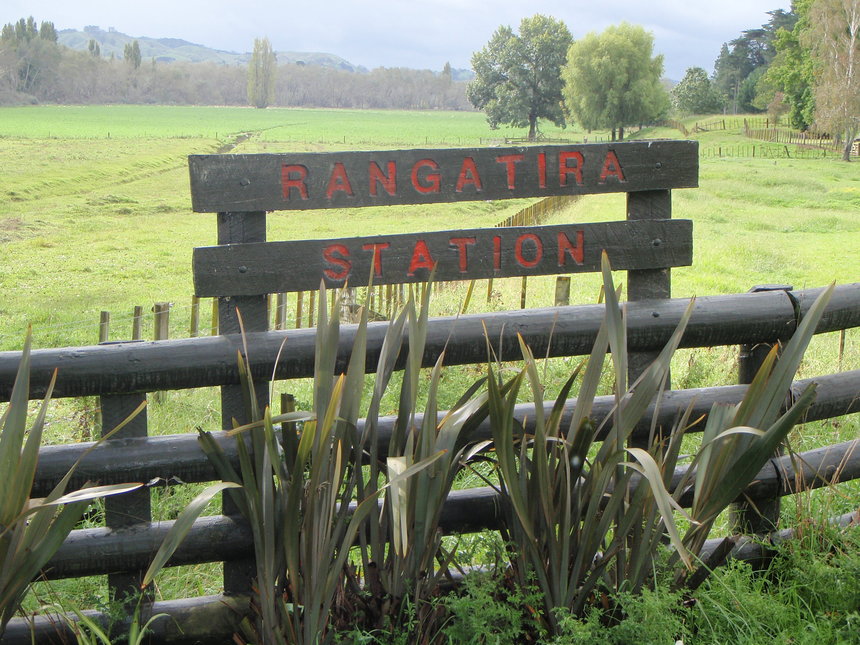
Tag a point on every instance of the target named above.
point(128, 509)
point(523, 289)
point(238, 228)
point(136, 322)
point(214, 328)
point(299, 305)
point(647, 284)
point(195, 317)
point(104, 326)
point(281, 311)
point(562, 291)
point(762, 517)
point(162, 320)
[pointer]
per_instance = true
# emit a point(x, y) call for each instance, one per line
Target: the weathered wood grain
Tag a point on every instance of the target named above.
point(291, 181)
point(275, 267)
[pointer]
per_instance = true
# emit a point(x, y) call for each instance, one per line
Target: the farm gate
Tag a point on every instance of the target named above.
point(244, 268)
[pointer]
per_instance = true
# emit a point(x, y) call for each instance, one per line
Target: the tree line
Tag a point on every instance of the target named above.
point(803, 64)
point(34, 68)
point(603, 81)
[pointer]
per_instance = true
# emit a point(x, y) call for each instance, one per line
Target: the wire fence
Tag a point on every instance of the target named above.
point(752, 151)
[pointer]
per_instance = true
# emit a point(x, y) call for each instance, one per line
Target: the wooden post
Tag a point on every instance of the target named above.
point(237, 228)
point(347, 306)
point(762, 517)
point(311, 307)
point(215, 328)
point(128, 509)
point(104, 326)
point(647, 284)
point(523, 288)
point(489, 290)
point(195, 317)
point(162, 321)
point(562, 291)
point(161, 331)
point(299, 304)
point(389, 302)
point(136, 323)
point(281, 311)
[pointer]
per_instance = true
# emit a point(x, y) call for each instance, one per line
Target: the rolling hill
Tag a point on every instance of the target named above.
point(112, 43)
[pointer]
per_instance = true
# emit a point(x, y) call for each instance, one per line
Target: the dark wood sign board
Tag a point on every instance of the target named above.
point(275, 267)
point(291, 181)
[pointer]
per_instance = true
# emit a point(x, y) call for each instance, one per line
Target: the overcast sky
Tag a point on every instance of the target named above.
point(403, 33)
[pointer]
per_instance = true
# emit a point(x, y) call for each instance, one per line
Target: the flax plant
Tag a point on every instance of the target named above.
point(307, 496)
point(401, 551)
point(585, 520)
point(31, 530)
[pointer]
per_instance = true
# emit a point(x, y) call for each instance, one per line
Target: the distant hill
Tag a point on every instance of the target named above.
point(168, 50)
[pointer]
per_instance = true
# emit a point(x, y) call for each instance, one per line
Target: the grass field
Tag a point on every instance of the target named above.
point(95, 215)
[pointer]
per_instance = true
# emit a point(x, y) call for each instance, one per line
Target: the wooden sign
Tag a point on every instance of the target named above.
point(275, 267)
point(290, 181)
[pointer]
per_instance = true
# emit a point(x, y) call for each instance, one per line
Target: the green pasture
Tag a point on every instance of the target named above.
point(95, 215)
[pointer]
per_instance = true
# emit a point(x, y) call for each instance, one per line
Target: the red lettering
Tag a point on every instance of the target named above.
point(462, 243)
point(377, 248)
point(497, 253)
point(338, 181)
point(542, 169)
point(421, 258)
point(518, 250)
point(468, 175)
point(289, 181)
point(387, 181)
point(565, 247)
point(564, 169)
point(510, 162)
point(433, 179)
point(337, 255)
point(611, 168)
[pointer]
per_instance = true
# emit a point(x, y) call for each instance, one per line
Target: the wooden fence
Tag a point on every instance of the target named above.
point(124, 374)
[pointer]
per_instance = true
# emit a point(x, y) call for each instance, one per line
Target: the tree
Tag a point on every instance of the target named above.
point(695, 94)
point(131, 54)
point(93, 48)
point(33, 52)
point(791, 71)
point(518, 76)
point(612, 81)
point(261, 74)
point(834, 41)
point(742, 62)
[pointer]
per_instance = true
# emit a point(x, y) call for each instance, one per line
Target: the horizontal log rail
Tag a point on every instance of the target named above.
point(220, 538)
point(214, 618)
point(563, 331)
point(177, 458)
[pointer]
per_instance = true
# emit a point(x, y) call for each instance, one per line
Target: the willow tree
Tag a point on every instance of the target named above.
point(261, 74)
point(518, 76)
point(612, 80)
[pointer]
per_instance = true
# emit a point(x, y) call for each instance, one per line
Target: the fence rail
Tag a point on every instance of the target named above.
point(150, 366)
point(178, 457)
